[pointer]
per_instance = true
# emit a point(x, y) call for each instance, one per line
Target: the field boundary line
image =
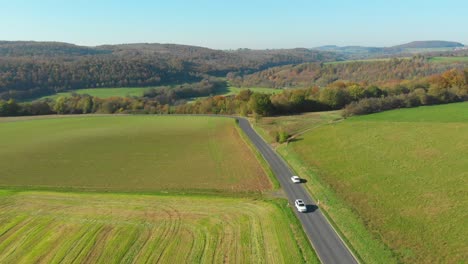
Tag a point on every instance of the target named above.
point(261, 159)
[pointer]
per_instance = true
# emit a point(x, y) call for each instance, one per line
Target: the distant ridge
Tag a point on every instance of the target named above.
point(407, 49)
point(429, 44)
point(424, 44)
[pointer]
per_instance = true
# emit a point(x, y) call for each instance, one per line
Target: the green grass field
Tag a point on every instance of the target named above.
point(402, 174)
point(128, 153)
point(448, 59)
point(138, 91)
point(50, 227)
point(450, 113)
point(236, 90)
point(104, 92)
point(294, 125)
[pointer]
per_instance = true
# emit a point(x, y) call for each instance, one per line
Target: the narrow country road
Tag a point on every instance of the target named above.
point(328, 245)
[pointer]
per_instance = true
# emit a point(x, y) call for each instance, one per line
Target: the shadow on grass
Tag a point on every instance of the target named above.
point(294, 139)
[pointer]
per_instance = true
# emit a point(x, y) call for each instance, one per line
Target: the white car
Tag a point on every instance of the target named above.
point(296, 179)
point(300, 205)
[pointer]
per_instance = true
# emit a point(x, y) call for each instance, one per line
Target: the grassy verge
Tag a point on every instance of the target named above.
point(301, 239)
point(260, 158)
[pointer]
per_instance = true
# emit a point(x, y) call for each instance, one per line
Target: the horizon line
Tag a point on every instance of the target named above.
point(193, 45)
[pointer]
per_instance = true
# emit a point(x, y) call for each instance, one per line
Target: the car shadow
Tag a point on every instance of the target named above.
point(303, 181)
point(311, 208)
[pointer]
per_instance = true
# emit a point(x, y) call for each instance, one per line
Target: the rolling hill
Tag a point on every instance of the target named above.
point(360, 52)
point(34, 69)
point(428, 44)
point(372, 71)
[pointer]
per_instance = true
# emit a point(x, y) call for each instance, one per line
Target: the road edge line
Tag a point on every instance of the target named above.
point(326, 216)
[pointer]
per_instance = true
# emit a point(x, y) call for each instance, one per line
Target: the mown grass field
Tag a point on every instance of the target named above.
point(51, 227)
point(104, 92)
point(402, 174)
point(138, 91)
point(128, 153)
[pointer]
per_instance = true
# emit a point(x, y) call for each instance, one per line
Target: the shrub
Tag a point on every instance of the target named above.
point(281, 136)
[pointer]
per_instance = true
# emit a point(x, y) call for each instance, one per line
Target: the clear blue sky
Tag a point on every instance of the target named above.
point(236, 23)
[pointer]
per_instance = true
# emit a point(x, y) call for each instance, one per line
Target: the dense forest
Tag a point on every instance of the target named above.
point(310, 74)
point(32, 69)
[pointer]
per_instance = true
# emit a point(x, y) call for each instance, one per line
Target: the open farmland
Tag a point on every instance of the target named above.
point(104, 92)
point(128, 153)
point(139, 91)
point(403, 172)
point(48, 227)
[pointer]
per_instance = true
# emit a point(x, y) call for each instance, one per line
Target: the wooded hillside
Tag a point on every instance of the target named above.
point(31, 69)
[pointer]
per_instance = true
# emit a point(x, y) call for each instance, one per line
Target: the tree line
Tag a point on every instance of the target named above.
point(177, 94)
point(448, 87)
point(355, 98)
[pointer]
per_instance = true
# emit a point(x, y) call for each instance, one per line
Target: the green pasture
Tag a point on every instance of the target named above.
point(128, 153)
point(104, 92)
point(402, 173)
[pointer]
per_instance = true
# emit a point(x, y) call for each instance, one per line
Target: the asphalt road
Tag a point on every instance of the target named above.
point(326, 242)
